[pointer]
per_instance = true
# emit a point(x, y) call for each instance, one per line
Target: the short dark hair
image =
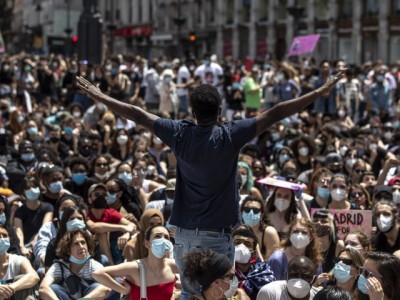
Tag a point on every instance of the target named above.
point(205, 102)
point(246, 231)
point(78, 160)
point(332, 293)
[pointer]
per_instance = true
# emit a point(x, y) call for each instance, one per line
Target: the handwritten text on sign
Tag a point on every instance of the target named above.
point(350, 221)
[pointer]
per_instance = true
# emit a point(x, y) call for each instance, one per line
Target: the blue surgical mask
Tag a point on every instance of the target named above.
point(114, 71)
point(75, 224)
point(20, 119)
point(78, 178)
point(3, 219)
point(28, 156)
point(362, 284)
point(32, 194)
point(341, 272)
point(161, 247)
point(111, 198)
point(251, 218)
point(79, 261)
point(55, 187)
point(283, 158)
point(125, 177)
point(323, 192)
point(33, 130)
point(4, 245)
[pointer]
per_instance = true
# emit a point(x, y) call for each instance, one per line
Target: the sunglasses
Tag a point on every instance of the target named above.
point(367, 274)
point(102, 164)
point(359, 171)
point(98, 194)
point(346, 261)
point(356, 194)
point(248, 209)
point(113, 191)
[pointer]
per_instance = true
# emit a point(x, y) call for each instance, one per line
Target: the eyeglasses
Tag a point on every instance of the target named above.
point(346, 261)
point(367, 274)
point(356, 194)
point(248, 209)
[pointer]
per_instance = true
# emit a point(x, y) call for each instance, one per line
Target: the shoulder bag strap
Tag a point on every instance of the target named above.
point(142, 275)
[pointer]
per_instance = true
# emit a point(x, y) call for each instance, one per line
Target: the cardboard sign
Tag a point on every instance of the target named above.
point(350, 221)
point(280, 183)
point(303, 44)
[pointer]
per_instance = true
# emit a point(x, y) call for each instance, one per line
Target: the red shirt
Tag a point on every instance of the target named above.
point(110, 215)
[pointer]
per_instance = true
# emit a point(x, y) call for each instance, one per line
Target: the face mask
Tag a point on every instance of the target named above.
point(251, 218)
point(233, 285)
point(112, 198)
point(322, 229)
point(380, 78)
point(206, 62)
point(281, 204)
point(125, 177)
point(32, 130)
point(76, 114)
point(28, 156)
point(32, 194)
point(74, 260)
point(350, 162)
point(384, 223)
point(396, 124)
point(362, 284)
point(167, 79)
point(161, 247)
point(396, 196)
point(101, 176)
point(169, 200)
point(78, 178)
point(242, 254)
point(6, 68)
point(4, 245)
point(341, 113)
point(114, 71)
point(100, 202)
point(299, 240)
point(55, 187)
point(341, 272)
point(275, 136)
point(338, 194)
point(388, 135)
point(343, 151)
point(283, 158)
point(303, 151)
point(122, 139)
point(3, 219)
point(323, 192)
point(60, 215)
point(68, 130)
point(373, 147)
point(75, 224)
point(244, 179)
point(27, 68)
point(298, 288)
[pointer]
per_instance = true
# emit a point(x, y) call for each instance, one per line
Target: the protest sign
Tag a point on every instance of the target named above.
point(303, 44)
point(350, 221)
point(280, 183)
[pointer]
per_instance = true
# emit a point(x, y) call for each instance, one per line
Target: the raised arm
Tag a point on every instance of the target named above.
point(125, 110)
point(285, 109)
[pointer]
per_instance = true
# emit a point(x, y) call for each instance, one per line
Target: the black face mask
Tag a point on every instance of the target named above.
point(54, 139)
point(100, 202)
point(322, 230)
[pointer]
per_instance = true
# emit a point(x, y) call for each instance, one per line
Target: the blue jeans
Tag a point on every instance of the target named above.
point(62, 294)
point(187, 240)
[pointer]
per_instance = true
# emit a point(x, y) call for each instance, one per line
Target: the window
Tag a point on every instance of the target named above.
point(345, 9)
point(345, 49)
point(370, 8)
point(199, 9)
point(230, 11)
point(263, 10)
point(396, 7)
point(212, 7)
point(282, 10)
point(394, 49)
point(246, 10)
point(370, 48)
point(322, 9)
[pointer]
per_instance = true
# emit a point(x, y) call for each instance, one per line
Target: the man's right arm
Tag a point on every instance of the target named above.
point(125, 110)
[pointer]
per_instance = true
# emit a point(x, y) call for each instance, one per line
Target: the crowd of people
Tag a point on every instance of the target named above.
point(139, 178)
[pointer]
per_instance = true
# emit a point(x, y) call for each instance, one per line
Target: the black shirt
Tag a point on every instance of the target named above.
point(380, 243)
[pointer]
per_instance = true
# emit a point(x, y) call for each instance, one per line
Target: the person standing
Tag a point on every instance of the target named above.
point(203, 196)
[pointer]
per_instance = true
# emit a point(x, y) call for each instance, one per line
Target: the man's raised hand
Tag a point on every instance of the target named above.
point(89, 89)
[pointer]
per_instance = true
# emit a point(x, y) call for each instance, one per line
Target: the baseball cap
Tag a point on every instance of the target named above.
point(394, 181)
point(382, 189)
point(95, 186)
point(333, 159)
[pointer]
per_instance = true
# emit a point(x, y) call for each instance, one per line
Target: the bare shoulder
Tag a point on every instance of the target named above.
point(270, 231)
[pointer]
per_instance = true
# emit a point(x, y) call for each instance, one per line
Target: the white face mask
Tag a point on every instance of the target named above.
point(299, 240)
point(303, 151)
point(281, 204)
point(122, 139)
point(298, 288)
point(242, 254)
point(232, 288)
point(338, 194)
point(350, 162)
point(101, 176)
point(343, 150)
point(388, 135)
point(396, 196)
point(384, 223)
point(341, 113)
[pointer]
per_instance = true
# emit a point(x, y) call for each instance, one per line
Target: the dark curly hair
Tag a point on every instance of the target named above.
point(246, 231)
point(205, 102)
point(79, 160)
point(64, 246)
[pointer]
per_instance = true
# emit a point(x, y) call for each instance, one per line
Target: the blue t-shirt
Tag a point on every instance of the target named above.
point(206, 193)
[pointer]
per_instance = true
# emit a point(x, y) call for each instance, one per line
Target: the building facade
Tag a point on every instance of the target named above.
point(356, 30)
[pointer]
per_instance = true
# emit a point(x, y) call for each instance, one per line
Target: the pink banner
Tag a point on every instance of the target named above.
point(303, 44)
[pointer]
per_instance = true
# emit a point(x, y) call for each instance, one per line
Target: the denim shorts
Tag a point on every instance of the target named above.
point(187, 240)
